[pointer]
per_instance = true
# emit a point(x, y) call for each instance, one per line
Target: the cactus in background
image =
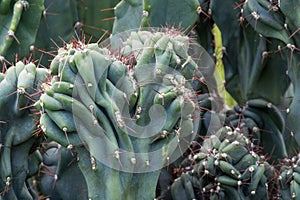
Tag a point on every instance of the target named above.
point(289, 179)
point(96, 18)
point(228, 166)
point(126, 116)
point(18, 27)
point(62, 21)
point(264, 124)
point(19, 88)
point(155, 13)
point(274, 22)
point(249, 69)
point(128, 15)
point(204, 27)
point(58, 25)
point(140, 115)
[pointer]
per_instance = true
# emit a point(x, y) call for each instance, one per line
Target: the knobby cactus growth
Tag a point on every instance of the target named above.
point(228, 165)
point(125, 115)
point(19, 87)
point(140, 115)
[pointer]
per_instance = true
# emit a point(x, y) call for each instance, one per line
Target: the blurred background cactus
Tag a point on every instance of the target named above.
point(122, 99)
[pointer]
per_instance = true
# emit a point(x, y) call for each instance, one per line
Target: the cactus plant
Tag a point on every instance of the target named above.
point(139, 116)
point(155, 14)
point(288, 180)
point(61, 177)
point(264, 123)
point(272, 20)
point(228, 166)
point(19, 89)
point(108, 114)
point(19, 25)
point(63, 21)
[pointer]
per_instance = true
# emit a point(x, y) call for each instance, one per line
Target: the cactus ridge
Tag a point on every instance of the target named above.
point(98, 102)
point(19, 132)
point(228, 165)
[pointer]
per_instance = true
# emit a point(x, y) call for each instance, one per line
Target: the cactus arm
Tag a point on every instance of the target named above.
point(28, 27)
point(9, 36)
point(19, 158)
point(158, 13)
point(125, 10)
point(19, 28)
point(96, 17)
point(261, 20)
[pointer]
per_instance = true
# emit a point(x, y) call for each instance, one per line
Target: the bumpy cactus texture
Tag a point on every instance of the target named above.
point(227, 166)
point(140, 116)
point(264, 123)
point(130, 112)
point(288, 180)
point(18, 91)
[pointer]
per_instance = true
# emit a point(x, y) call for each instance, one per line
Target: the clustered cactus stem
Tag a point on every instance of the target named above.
point(123, 120)
point(140, 115)
point(19, 88)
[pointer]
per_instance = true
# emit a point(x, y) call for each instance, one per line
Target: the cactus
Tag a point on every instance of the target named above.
point(228, 166)
point(19, 89)
point(130, 118)
point(58, 24)
point(61, 177)
point(155, 14)
point(288, 179)
point(249, 69)
point(125, 10)
point(19, 24)
point(106, 115)
point(274, 21)
point(264, 124)
point(96, 18)
point(62, 21)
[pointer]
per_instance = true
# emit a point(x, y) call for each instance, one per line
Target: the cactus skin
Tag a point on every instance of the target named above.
point(288, 179)
point(204, 27)
point(251, 66)
point(263, 122)
point(19, 25)
point(125, 10)
point(96, 18)
point(103, 126)
point(275, 22)
point(57, 25)
point(155, 14)
point(266, 18)
point(227, 166)
point(62, 21)
point(17, 129)
point(61, 177)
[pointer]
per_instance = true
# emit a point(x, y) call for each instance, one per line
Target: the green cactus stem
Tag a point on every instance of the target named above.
point(18, 90)
point(19, 25)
